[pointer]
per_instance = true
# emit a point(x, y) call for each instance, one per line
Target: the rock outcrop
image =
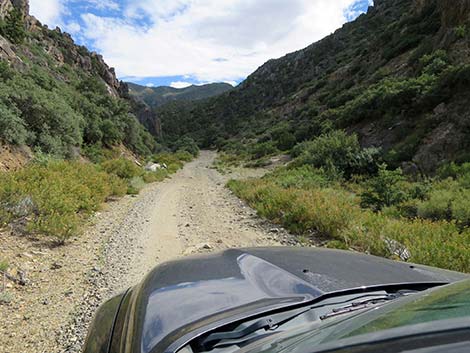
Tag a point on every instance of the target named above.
point(61, 46)
point(7, 5)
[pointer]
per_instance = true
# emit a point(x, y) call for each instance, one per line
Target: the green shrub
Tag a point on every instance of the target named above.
point(324, 211)
point(56, 197)
point(123, 168)
point(263, 149)
point(335, 215)
point(339, 152)
point(461, 208)
point(438, 207)
point(153, 177)
point(14, 27)
point(3, 266)
point(460, 31)
point(305, 177)
point(184, 156)
point(453, 170)
point(12, 127)
point(386, 189)
point(167, 158)
point(95, 153)
point(135, 185)
point(187, 144)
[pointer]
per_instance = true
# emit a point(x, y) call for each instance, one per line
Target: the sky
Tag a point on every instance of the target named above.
point(182, 42)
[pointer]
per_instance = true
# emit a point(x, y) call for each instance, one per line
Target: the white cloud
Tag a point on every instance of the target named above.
point(180, 84)
point(209, 40)
point(47, 11)
point(72, 27)
point(101, 4)
point(150, 85)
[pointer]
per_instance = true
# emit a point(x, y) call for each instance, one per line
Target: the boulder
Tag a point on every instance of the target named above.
point(154, 167)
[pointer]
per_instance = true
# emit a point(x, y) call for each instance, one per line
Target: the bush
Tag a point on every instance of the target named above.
point(58, 196)
point(12, 127)
point(153, 177)
point(384, 190)
point(438, 207)
point(123, 168)
point(305, 177)
point(184, 156)
point(337, 151)
point(263, 149)
point(460, 31)
point(336, 216)
point(461, 208)
point(3, 266)
point(187, 144)
point(135, 185)
point(14, 27)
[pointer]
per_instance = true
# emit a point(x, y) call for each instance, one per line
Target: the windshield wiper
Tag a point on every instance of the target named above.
point(359, 305)
point(268, 323)
point(323, 310)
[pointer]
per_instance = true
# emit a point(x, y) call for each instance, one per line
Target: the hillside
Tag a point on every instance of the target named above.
point(57, 97)
point(158, 96)
point(397, 76)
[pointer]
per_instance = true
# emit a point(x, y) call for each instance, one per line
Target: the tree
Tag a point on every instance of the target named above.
point(386, 189)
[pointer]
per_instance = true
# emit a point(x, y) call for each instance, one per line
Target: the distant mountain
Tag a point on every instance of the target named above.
point(159, 96)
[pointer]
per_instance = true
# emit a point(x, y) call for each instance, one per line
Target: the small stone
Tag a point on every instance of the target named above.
point(274, 230)
point(56, 266)
point(206, 246)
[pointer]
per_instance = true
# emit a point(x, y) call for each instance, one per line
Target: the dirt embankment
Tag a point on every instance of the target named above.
point(190, 213)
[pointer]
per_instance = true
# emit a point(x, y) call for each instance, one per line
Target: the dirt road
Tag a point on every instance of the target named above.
point(190, 213)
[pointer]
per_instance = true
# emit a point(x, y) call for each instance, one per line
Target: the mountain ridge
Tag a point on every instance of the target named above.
point(161, 95)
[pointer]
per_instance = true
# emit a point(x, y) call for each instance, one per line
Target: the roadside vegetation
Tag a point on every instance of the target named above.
point(54, 198)
point(345, 196)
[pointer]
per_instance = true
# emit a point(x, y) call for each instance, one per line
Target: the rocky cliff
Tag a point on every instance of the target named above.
point(59, 97)
point(59, 45)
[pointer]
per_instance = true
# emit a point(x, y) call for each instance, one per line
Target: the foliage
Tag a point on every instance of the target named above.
point(460, 31)
point(3, 266)
point(60, 116)
point(59, 194)
point(328, 212)
point(339, 152)
point(305, 177)
point(54, 197)
point(12, 127)
point(187, 144)
point(13, 27)
point(263, 149)
point(386, 189)
point(121, 167)
point(448, 201)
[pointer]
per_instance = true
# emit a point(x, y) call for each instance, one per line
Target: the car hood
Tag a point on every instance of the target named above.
point(181, 300)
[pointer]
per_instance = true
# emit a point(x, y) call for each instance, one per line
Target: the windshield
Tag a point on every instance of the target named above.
point(443, 303)
point(431, 306)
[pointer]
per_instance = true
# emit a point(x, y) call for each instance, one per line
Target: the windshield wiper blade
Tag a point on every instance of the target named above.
point(359, 305)
point(268, 323)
